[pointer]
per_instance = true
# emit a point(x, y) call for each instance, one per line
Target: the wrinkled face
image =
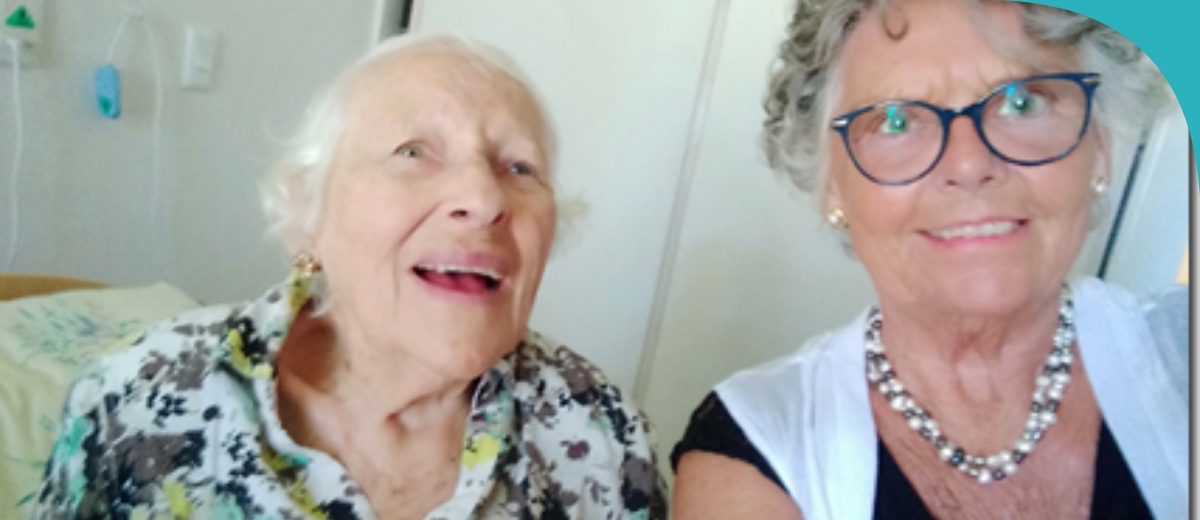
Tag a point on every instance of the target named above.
point(977, 236)
point(438, 213)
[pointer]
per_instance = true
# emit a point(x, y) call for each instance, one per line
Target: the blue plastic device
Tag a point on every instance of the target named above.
point(108, 91)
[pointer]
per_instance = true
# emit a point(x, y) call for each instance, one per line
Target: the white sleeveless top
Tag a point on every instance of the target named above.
point(809, 416)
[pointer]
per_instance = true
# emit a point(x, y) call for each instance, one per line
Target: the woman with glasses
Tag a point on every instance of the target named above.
point(962, 149)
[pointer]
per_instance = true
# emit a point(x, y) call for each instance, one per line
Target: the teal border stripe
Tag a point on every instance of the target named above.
point(1168, 31)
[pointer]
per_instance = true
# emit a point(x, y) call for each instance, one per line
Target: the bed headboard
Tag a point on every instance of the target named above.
point(13, 286)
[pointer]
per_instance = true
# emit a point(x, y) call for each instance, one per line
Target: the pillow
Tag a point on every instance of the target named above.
point(44, 342)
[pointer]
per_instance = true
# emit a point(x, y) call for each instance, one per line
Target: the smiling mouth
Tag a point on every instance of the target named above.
point(472, 280)
point(986, 230)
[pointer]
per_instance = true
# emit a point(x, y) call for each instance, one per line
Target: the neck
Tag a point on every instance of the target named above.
point(981, 358)
point(953, 337)
point(375, 384)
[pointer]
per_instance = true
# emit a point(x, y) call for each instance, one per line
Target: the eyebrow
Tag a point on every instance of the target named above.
point(1007, 78)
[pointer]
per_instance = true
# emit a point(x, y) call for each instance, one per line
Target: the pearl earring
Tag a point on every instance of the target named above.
point(837, 219)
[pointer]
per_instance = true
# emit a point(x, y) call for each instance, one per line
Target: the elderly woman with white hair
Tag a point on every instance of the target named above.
point(392, 375)
point(960, 147)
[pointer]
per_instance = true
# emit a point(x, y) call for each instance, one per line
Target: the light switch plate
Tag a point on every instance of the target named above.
point(199, 58)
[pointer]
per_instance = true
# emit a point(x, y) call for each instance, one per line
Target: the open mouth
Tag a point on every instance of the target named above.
point(985, 230)
point(473, 280)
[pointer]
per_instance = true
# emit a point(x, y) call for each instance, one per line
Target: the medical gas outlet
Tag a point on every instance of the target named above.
point(23, 21)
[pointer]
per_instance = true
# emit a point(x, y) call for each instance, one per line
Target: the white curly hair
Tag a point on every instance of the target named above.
point(804, 87)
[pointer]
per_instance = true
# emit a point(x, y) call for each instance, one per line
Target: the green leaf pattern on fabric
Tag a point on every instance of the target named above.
point(64, 332)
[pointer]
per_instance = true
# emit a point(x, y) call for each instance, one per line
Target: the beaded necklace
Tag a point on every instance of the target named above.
point(1051, 382)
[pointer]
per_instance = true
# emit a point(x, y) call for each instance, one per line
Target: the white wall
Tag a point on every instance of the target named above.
point(85, 180)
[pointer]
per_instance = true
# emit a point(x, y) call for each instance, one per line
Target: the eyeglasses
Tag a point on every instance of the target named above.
point(1027, 122)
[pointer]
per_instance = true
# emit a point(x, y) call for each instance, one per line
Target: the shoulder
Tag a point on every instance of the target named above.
point(1138, 337)
point(807, 410)
point(1108, 317)
point(578, 431)
point(551, 370)
point(1115, 302)
point(155, 404)
point(552, 378)
point(1141, 382)
point(182, 350)
point(1091, 292)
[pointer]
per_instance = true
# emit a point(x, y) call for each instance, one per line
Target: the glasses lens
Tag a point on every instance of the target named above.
point(1035, 120)
point(895, 142)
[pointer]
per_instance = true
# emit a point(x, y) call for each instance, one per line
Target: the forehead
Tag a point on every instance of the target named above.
point(943, 51)
point(443, 82)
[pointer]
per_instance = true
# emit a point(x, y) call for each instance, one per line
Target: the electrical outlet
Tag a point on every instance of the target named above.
point(25, 21)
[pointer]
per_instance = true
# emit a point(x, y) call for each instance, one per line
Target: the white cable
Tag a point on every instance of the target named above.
point(14, 48)
point(112, 46)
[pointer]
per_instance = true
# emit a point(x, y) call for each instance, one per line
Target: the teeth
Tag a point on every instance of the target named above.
point(454, 269)
point(990, 229)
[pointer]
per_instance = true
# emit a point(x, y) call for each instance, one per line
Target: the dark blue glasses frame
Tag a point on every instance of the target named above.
point(1088, 81)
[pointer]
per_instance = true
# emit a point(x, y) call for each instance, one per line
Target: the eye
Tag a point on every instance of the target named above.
point(895, 122)
point(409, 150)
point(520, 168)
point(1019, 101)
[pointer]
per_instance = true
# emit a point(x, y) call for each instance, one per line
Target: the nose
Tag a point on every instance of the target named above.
point(967, 162)
point(477, 197)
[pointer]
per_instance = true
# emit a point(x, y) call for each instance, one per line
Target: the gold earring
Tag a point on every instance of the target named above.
point(305, 265)
point(837, 219)
point(1099, 185)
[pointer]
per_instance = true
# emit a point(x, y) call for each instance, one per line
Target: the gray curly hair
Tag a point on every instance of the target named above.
point(804, 87)
point(304, 168)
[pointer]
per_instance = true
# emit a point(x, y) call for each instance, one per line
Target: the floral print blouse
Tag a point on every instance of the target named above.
point(183, 424)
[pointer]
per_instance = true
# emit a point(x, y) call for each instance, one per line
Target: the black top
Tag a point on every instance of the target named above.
point(1116, 494)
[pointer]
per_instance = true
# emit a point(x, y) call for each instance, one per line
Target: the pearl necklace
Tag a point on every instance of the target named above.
point(1051, 382)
